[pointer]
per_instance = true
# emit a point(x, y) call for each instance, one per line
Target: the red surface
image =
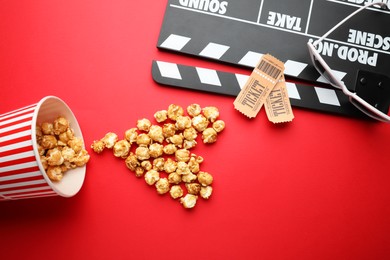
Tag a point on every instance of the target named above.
point(317, 188)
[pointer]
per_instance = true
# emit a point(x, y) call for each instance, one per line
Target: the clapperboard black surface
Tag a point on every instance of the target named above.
point(239, 32)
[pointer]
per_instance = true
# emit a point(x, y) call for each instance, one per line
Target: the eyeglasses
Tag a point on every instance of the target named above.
point(328, 74)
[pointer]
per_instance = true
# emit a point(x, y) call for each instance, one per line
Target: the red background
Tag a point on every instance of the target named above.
point(316, 188)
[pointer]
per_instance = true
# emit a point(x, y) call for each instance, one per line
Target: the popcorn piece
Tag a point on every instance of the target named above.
point(209, 136)
point(144, 139)
point(205, 178)
point(110, 139)
point(146, 165)
point(132, 162)
point(158, 164)
point(68, 154)
point(49, 142)
point(200, 123)
point(144, 124)
point(177, 140)
point(182, 168)
point(169, 130)
point(82, 158)
point(47, 128)
point(189, 144)
point(45, 165)
point(193, 165)
point(211, 113)
point(218, 126)
point(156, 133)
point(174, 178)
point(176, 191)
point(38, 133)
point(183, 122)
point(156, 150)
point(174, 111)
point(77, 144)
point(162, 186)
point(170, 166)
point(190, 177)
point(60, 125)
point(151, 177)
point(161, 116)
point(182, 155)
point(142, 153)
point(98, 146)
point(194, 110)
point(205, 192)
point(54, 173)
point(54, 157)
point(131, 135)
point(121, 149)
point(139, 171)
point(193, 188)
point(170, 149)
point(189, 201)
point(190, 134)
point(66, 136)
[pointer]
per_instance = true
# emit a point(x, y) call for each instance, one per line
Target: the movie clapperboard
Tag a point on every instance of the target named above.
point(240, 32)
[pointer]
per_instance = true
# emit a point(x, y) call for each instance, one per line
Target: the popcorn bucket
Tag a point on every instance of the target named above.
point(22, 175)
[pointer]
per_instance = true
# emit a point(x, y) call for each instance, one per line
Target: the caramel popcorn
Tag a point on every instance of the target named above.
point(161, 116)
point(218, 126)
point(131, 135)
point(156, 133)
point(200, 123)
point(193, 188)
point(209, 136)
point(205, 178)
point(142, 153)
point(162, 186)
point(110, 139)
point(183, 122)
point(206, 191)
point(151, 177)
point(121, 149)
point(176, 191)
point(156, 150)
point(194, 110)
point(189, 201)
point(174, 111)
point(59, 149)
point(60, 125)
point(161, 152)
point(144, 124)
point(211, 113)
point(98, 146)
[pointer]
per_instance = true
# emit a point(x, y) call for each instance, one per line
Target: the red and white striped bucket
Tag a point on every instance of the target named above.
point(21, 172)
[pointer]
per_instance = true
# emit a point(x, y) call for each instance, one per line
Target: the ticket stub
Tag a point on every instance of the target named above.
point(278, 106)
point(262, 80)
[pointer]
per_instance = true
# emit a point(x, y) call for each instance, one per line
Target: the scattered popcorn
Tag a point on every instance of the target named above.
point(209, 136)
point(194, 110)
point(158, 152)
point(189, 201)
point(176, 191)
point(121, 149)
point(151, 177)
point(161, 116)
point(143, 124)
point(205, 178)
point(211, 113)
point(205, 192)
point(110, 139)
point(162, 186)
point(59, 149)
